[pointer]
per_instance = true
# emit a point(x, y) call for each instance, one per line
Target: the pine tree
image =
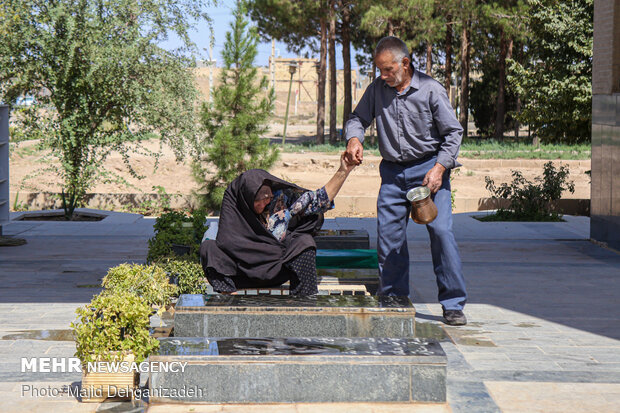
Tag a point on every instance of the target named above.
point(237, 117)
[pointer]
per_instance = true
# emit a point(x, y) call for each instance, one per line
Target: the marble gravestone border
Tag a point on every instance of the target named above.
point(283, 316)
point(297, 370)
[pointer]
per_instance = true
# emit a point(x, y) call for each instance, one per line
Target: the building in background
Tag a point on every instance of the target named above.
point(304, 90)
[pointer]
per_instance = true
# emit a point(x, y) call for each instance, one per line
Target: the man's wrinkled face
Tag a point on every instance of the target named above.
point(262, 199)
point(393, 72)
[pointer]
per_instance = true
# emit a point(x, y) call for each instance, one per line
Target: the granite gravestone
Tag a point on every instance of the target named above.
point(283, 316)
point(297, 370)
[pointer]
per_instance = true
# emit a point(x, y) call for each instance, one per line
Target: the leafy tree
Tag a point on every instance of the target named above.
point(504, 24)
point(237, 117)
point(491, 103)
point(100, 78)
point(393, 18)
point(555, 81)
point(299, 24)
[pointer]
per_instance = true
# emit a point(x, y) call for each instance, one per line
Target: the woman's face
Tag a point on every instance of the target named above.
point(263, 198)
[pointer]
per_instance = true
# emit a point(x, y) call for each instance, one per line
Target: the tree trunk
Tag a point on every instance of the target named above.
point(322, 72)
point(390, 28)
point(346, 58)
point(429, 58)
point(333, 136)
point(518, 108)
point(464, 101)
point(501, 90)
point(448, 46)
point(373, 136)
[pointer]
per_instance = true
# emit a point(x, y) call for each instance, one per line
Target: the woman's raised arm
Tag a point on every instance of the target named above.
point(335, 183)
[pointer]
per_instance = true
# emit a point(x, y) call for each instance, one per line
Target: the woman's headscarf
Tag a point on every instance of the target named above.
point(243, 244)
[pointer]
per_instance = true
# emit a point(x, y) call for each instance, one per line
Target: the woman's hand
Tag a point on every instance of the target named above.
point(345, 164)
point(333, 186)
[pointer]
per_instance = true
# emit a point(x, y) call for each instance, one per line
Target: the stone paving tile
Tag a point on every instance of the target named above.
point(541, 303)
point(8, 387)
point(305, 408)
point(608, 355)
point(508, 351)
point(26, 347)
point(589, 366)
point(67, 350)
point(5, 346)
point(578, 356)
point(470, 396)
point(44, 404)
point(559, 376)
point(555, 397)
point(516, 365)
point(496, 357)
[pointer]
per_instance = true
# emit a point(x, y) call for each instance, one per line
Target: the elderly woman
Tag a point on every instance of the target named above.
point(265, 233)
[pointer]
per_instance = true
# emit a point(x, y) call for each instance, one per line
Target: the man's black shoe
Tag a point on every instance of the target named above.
point(454, 317)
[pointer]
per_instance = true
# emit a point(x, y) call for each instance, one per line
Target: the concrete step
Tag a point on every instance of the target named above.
point(299, 370)
point(342, 239)
point(285, 316)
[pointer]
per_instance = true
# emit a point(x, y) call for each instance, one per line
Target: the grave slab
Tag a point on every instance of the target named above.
point(284, 316)
point(347, 258)
point(368, 277)
point(342, 239)
point(326, 285)
point(298, 370)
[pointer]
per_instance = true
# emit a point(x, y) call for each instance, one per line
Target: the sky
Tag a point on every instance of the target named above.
point(222, 17)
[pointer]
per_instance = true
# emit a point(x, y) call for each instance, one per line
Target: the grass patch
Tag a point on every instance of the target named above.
point(325, 148)
point(491, 149)
point(510, 216)
point(471, 148)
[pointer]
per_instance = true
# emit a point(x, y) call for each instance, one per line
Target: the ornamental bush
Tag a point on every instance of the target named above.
point(149, 282)
point(531, 201)
point(177, 228)
point(112, 325)
point(189, 276)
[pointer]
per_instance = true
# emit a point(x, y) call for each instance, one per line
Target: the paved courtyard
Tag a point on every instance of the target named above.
point(543, 332)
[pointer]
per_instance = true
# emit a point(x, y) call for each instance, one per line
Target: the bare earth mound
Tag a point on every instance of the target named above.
point(309, 170)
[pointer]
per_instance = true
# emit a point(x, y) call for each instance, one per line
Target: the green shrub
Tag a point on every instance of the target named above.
point(531, 201)
point(149, 282)
point(177, 228)
point(111, 326)
point(189, 276)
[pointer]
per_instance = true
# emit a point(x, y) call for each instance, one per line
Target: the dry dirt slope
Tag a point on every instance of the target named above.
point(310, 170)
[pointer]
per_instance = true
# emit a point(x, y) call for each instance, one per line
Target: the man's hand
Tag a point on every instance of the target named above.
point(355, 151)
point(345, 165)
point(434, 177)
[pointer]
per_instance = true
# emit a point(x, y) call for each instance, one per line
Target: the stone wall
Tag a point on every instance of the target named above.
point(605, 204)
point(304, 87)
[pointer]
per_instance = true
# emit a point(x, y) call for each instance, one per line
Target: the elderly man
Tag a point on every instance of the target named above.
point(419, 139)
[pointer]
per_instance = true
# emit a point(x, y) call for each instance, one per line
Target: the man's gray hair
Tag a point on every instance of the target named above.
point(394, 45)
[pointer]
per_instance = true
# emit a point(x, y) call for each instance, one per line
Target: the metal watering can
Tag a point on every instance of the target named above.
point(423, 209)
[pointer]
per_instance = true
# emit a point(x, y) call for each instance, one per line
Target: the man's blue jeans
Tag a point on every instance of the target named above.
point(393, 211)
